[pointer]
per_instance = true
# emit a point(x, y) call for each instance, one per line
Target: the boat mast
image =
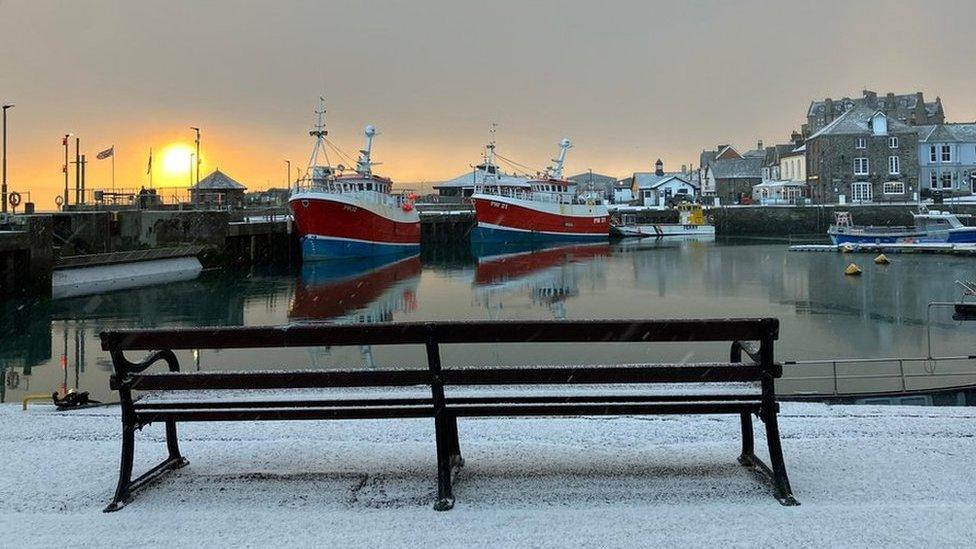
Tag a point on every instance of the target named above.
point(491, 172)
point(556, 171)
point(319, 132)
point(364, 166)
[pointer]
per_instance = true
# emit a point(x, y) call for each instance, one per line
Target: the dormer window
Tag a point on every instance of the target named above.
point(860, 143)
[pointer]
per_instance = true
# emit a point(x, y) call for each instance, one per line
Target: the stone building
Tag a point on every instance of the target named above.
point(863, 155)
point(909, 109)
point(947, 158)
point(589, 182)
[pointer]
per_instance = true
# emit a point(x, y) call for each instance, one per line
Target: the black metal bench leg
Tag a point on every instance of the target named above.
point(173, 445)
point(122, 492)
point(445, 490)
point(455, 449)
point(781, 483)
point(748, 450)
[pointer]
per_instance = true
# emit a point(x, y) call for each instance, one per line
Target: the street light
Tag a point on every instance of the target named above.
point(64, 142)
point(198, 152)
point(4, 189)
point(288, 174)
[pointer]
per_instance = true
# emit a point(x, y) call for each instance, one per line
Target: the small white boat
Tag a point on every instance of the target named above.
point(691, 223)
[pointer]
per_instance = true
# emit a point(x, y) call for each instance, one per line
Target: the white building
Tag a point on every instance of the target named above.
point(793, 166)
point(655, 189)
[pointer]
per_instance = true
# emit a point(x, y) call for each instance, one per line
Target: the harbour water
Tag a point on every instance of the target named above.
point(53, 345)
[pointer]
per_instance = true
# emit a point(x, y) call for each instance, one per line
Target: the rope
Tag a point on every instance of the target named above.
point(340, 152)
point(531, 170)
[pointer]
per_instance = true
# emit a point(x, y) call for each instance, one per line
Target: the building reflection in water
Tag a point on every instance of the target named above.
point(549, 275)
point(355, 291)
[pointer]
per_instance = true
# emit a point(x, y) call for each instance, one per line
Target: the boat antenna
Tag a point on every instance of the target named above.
point(319, 132)
point(556, 170)
point(364, 166)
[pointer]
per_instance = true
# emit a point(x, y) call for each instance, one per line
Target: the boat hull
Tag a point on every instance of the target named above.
point(340, 226)
point(502, 219)
point(909, 236)
point(661, 230)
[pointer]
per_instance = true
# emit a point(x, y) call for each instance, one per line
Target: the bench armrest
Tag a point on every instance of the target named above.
point(124, 367)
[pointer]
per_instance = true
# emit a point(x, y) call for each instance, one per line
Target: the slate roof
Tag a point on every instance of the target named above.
point(650, 180)
point(738, 168)
point(857, 121)
point(948, 133)
point(907, 101)
point(218, 181)
point(599, 181)
point(468, 179)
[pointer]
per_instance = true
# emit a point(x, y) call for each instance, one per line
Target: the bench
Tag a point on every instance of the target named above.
point(752, 338)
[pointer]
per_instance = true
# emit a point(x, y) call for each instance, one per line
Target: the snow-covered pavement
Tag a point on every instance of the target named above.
point(866, 476)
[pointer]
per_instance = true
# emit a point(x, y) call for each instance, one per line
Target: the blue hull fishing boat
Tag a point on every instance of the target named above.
point(930, 226)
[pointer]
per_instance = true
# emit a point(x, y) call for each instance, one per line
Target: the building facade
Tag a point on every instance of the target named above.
point(863, 156)
point(947, 158)
point(658, 188)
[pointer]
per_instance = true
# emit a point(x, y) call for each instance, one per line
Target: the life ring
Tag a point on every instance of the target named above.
point(14, 199)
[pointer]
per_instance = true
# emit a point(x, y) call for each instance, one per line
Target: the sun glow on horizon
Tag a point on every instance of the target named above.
point(177, 159)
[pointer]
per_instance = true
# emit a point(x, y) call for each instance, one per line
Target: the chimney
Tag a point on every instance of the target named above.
point(759, 145)
point(890, 103)
point(828, 110)
point(684, 168)
point(920, 117)
point(796, 137)
point(659, 167)
point(870, 98)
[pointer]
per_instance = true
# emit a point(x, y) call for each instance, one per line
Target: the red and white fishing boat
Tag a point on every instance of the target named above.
point(351, 215)
point(538, 210)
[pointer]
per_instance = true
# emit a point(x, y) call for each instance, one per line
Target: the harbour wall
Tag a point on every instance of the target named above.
point(786, 221)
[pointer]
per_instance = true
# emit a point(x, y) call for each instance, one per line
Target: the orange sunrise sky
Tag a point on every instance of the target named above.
point(628, 82)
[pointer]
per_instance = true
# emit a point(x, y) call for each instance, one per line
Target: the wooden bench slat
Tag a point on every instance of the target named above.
point(284, 414)
point(312, 335)
point(607, 409)
point(656, 373)
point(278, 380)
point(372, 402)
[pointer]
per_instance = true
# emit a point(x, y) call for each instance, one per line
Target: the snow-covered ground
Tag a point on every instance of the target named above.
point(866, 476)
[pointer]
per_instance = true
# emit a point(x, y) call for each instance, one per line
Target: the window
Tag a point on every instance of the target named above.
point(894, 165)
point(933, 154)
point(861, 192)
point(946, 180)
point(860, 166)
point(933, 180)
point(892, 142)
point(860, 143)
point(894, 187)
point(946, 153)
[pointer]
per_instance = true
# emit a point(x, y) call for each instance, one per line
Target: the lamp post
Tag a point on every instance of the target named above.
point(192, 156)
point(4, 190)
point(288, 174)
point(64, 143)
point(197, 141)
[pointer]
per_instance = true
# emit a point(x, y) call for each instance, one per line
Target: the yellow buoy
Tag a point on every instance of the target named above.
point(882, 259)
point(852, 270)
point(847, 248)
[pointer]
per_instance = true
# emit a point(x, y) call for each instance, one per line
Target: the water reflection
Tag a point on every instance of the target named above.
point(49, 345)
point(549, 276)
point(356, 291)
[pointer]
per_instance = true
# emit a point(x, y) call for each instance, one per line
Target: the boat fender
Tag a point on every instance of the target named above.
point(882, 259)
point(407, 207)
point(847, 248)
point(852, 270)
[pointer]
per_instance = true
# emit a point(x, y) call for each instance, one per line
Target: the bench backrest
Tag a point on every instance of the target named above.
point(432, 334)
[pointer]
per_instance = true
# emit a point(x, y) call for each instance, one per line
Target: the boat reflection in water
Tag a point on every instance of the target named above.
point(356, 291)
point(647, 243)
point(550, 275)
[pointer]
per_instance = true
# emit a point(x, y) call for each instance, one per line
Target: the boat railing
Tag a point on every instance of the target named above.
point(393, 199)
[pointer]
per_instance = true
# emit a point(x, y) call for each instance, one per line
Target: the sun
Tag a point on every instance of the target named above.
point(177, 159)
